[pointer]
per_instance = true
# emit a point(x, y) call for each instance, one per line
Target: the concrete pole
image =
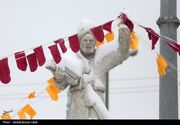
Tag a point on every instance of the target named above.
point(168, 96)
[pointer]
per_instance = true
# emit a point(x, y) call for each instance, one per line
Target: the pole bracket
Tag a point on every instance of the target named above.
point(168, 19)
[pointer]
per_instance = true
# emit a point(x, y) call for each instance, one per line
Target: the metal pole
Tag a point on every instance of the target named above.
point(107, 90)
point(168, 96)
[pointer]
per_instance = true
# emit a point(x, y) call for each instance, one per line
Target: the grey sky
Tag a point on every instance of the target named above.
point(29, 23)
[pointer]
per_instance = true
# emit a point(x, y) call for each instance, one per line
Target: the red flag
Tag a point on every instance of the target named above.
point(32, 62)
point(61, 44)
point(74, 43)
point(98, 33)
point(4, 71)
point(21, 60)
point(107, 26)
point(55, 53)
point(127, 21)
point(155, 38)
point(174, 46)
point(40, 55)
point(152, 36)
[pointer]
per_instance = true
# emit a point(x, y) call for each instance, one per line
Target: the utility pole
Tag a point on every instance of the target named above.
point(168, 96)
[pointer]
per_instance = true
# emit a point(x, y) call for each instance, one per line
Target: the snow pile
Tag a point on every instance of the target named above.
point(95, 101)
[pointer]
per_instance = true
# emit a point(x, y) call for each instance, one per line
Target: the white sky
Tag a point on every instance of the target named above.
point(30, 23)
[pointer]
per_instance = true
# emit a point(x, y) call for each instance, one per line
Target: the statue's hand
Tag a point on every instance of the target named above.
point(51, 67)
point(72, 78)
point(119, 20)
point(88, 78)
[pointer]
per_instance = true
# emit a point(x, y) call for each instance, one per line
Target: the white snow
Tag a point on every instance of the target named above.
point(70, 60)
point(105, 49)
point(96, 102)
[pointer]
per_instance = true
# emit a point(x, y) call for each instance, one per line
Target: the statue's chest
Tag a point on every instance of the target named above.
point(91, 75)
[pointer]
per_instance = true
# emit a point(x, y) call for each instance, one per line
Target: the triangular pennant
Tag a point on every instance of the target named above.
point(6, 116)
point(107, 26)
point(149, 31)
point(29, 110)
point(152, 36)
point(55, 53)
point(40, 55)
point(174, 46)
point(22, 114)
point(98, 33)
point(133, 41)
point(21, 60)
point(162, 65)
point(32, 62)
point(4, 71)
point(74, 43)
point(61, 44)
point(109, 37)
point(155, 38)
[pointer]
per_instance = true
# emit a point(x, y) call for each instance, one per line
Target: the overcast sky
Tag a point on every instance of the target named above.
point(29, 23)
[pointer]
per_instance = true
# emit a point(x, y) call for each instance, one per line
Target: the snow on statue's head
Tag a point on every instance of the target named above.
point(86, 38)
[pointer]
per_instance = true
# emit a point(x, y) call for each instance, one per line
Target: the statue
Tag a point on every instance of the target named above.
point(86, 78)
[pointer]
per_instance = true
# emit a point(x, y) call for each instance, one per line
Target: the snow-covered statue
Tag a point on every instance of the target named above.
point(85, 73)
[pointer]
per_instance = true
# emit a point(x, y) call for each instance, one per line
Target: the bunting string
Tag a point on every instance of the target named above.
point(37, 58)
point(43, 97)
point(155, 53)
point(46, 44)
point(162, 36)
point(25, 98)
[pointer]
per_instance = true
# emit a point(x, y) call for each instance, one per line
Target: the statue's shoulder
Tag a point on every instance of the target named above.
point(106, 50)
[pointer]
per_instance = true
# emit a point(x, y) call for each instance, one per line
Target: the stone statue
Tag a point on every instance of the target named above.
point(85, 76)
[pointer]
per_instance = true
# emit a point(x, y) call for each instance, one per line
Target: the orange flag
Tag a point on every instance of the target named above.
point(31, 95)
point(51, 93)
point(55, 88)
point(52, 89)
point(29, 110)
point(21, 114)
point(6, 116)
point(133, 41)
point(162, 65)
point(99, 43)
point(109, 37)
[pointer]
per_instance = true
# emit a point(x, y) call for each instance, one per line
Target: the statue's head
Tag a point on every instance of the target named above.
point(86, 38)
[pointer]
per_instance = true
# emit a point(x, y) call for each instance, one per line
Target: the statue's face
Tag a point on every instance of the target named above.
point(87, 44)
